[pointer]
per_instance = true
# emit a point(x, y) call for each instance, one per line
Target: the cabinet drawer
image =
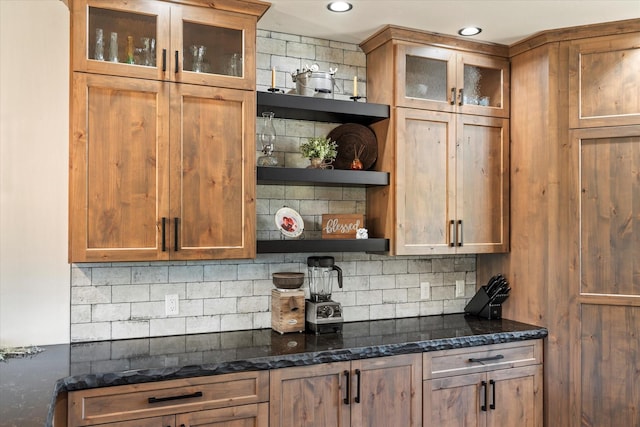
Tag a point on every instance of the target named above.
point(109, 404)
point(481, 359)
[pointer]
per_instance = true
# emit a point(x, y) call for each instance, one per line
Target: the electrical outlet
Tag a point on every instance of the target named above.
point(425, 290)
point(459, 288)
point(171, 305)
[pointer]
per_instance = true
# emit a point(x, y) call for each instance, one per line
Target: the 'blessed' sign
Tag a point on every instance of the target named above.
point(341, 226)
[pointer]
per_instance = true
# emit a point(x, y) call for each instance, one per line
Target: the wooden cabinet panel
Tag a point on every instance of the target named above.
point(482, 184)
point(607, 385)
point(610, 209)
point(452, 183)
point(493, 386)
point(123, 403)
point(425, 177)
point(118, 168)
point(388, 391)
point(213, 165)
point(166, 421)
point(373, 392)
point(455, 401)
point(603, 77)
point(256, 415)
point(310, 396)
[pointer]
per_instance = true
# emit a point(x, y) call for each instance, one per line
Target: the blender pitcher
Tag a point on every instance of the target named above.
point(321, 273)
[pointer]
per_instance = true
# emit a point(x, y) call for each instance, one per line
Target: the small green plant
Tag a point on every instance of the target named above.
point(319, 147)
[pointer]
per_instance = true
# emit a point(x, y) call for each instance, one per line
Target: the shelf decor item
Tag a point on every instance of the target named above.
point(267, 139)
point(321, 152)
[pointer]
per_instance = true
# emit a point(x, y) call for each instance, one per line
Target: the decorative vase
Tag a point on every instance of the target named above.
point(267, 139)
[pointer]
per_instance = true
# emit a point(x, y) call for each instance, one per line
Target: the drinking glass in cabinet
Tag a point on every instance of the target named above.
point(118, 26)
point(213, 49)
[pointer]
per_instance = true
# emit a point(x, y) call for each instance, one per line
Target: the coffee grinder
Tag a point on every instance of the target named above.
point(322, 314)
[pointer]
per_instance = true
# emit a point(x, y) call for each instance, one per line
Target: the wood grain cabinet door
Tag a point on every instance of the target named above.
point(118, 168)
point(387, 391)
point(310, 396)
point(212, 173)
point(425, 170)
point(515, 397)
point(455, 401)
point(482, 184)
point(604, 89)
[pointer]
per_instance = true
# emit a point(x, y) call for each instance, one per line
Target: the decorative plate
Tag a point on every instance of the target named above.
point(289, 222)
point(351, 138)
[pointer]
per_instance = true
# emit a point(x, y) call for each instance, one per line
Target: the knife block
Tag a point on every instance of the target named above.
point(480, 305)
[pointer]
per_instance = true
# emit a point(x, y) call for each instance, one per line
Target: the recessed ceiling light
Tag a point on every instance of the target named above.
point(339, 6)
point(469, 31)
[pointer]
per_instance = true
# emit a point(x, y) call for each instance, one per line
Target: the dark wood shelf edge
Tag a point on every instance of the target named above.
point(323, 245)
point(320, 109)
point(303, 176)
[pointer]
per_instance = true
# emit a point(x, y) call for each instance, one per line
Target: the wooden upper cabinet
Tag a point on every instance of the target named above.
point(604, 89)
point(442, 79)
point(452, 184)
point(118, 178)
point(165, 41)
point(212, 173)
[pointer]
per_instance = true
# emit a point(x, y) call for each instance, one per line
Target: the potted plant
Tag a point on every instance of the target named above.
point(320, 151)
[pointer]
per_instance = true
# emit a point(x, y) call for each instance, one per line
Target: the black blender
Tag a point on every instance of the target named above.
point(322, 314)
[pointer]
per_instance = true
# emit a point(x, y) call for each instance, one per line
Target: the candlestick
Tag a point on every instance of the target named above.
point(355, 86)
point(273, 77)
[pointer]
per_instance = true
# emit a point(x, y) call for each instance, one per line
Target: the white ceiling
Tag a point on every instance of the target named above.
point(502, 21)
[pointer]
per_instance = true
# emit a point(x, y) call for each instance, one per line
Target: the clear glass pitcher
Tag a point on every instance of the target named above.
point(322, 272)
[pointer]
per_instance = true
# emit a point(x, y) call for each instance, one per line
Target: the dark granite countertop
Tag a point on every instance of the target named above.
point(110, 363)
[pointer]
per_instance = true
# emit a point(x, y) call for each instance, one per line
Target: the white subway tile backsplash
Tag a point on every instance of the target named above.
point(111, 276)
point(187, 273)
point(203, 290)
point(236, 289)
point(203, 324)
point(129, 329)
point(150, 274)
point(129, 293)
point(236, 322)
point(167, 326)
point(90, 294)
point(110, 312)
point(220, 306)
point(127, 300)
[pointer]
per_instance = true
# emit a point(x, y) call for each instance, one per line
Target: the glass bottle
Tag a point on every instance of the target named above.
point(130, 59)
point(267, 138)
point(99, 51)
point(113, 48)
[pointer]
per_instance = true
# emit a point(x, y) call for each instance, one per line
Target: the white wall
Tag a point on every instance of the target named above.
point(34, 122)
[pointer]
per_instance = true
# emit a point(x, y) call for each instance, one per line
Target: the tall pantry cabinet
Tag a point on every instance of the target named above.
point(446, 143)
point(575, 211)
point(162, 130)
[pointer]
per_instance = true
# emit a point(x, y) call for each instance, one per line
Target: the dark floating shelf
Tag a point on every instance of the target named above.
point(321, 109)
point(323, 245)
point(302, 176)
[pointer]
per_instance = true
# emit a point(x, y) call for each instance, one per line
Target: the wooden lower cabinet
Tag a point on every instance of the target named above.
point(228, 400)
point(499, 385)
point(382, 392)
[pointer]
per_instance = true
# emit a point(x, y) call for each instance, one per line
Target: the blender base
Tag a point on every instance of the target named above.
point(324, 328)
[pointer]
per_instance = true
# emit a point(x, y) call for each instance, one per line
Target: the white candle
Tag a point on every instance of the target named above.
point(355, 86)
point(273, 77)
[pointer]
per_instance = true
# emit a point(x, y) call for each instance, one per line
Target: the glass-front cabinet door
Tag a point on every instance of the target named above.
point(164, 41)
point(213, 47)
point(445, 80)
point(121, 38)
